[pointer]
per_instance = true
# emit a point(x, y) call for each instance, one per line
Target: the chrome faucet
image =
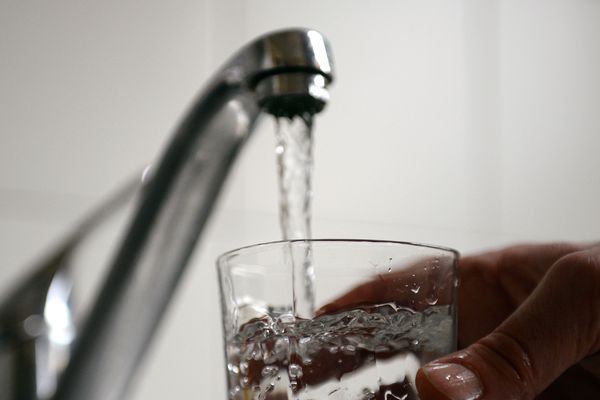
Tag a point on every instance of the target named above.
point(43, 354)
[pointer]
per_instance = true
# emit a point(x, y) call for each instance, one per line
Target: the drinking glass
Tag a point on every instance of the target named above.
point(335, 319)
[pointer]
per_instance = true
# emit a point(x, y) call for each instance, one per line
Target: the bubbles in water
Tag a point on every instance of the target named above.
point(269, 371)
point(243, 367)
point(390, 396)
point(269, 357)
point(349, 338)
point(348, 349)
point(234, 391)
point(286, 318)
point(281, 346)
point(368, 394)
point(295, 371)
point(267, 333)
point(234, 369)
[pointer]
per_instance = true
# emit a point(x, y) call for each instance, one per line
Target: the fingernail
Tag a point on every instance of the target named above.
point(454, 381)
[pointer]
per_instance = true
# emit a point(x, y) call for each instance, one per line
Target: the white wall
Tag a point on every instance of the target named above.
point(459, 123)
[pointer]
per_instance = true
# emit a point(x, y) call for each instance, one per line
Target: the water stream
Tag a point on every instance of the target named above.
point(295, 166)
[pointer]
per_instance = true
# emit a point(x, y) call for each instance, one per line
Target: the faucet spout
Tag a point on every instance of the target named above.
point(285, 73)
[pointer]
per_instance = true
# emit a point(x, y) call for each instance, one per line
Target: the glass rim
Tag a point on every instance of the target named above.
point(454, 252)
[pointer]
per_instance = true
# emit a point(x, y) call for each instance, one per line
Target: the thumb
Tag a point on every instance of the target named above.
point(552, 330)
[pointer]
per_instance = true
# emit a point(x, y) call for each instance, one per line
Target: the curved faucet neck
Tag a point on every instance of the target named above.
point(290, 71)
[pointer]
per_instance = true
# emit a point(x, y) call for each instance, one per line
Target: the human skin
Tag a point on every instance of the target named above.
point(528, 325)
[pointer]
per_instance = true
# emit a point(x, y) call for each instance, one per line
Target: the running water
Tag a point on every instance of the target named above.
point(295, 167)
point(367, 353)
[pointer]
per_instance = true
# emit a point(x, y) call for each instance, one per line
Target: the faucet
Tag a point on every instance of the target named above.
point(43, 355)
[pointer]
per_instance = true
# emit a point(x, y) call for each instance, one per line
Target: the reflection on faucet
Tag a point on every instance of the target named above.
point(285, 73)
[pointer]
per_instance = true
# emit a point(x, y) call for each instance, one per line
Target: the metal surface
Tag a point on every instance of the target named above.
point(37, 327)
point(285, 72)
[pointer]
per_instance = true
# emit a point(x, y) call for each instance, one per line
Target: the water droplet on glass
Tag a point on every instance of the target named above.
point(432, 299)
point(415, 289)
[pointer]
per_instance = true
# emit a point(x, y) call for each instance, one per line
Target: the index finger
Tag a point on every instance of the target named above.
point(417, 285)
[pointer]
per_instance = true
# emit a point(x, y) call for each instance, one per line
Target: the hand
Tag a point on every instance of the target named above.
point(529, 320)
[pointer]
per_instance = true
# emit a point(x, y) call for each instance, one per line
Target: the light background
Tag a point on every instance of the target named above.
point(469, 124)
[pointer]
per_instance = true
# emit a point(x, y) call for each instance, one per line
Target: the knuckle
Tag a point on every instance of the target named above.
point(505, 358)
point(515, 255)
point(580, 274)
point(580, 265)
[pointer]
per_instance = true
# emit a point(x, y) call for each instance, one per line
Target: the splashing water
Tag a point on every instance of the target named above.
point(295, 167)
point(367, 353)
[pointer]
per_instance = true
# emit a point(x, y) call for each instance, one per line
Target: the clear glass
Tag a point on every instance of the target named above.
point(383, 309)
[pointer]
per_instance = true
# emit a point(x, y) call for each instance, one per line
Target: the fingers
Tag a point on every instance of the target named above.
point(418, 285)
point(556, 327)
point(494, 284)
